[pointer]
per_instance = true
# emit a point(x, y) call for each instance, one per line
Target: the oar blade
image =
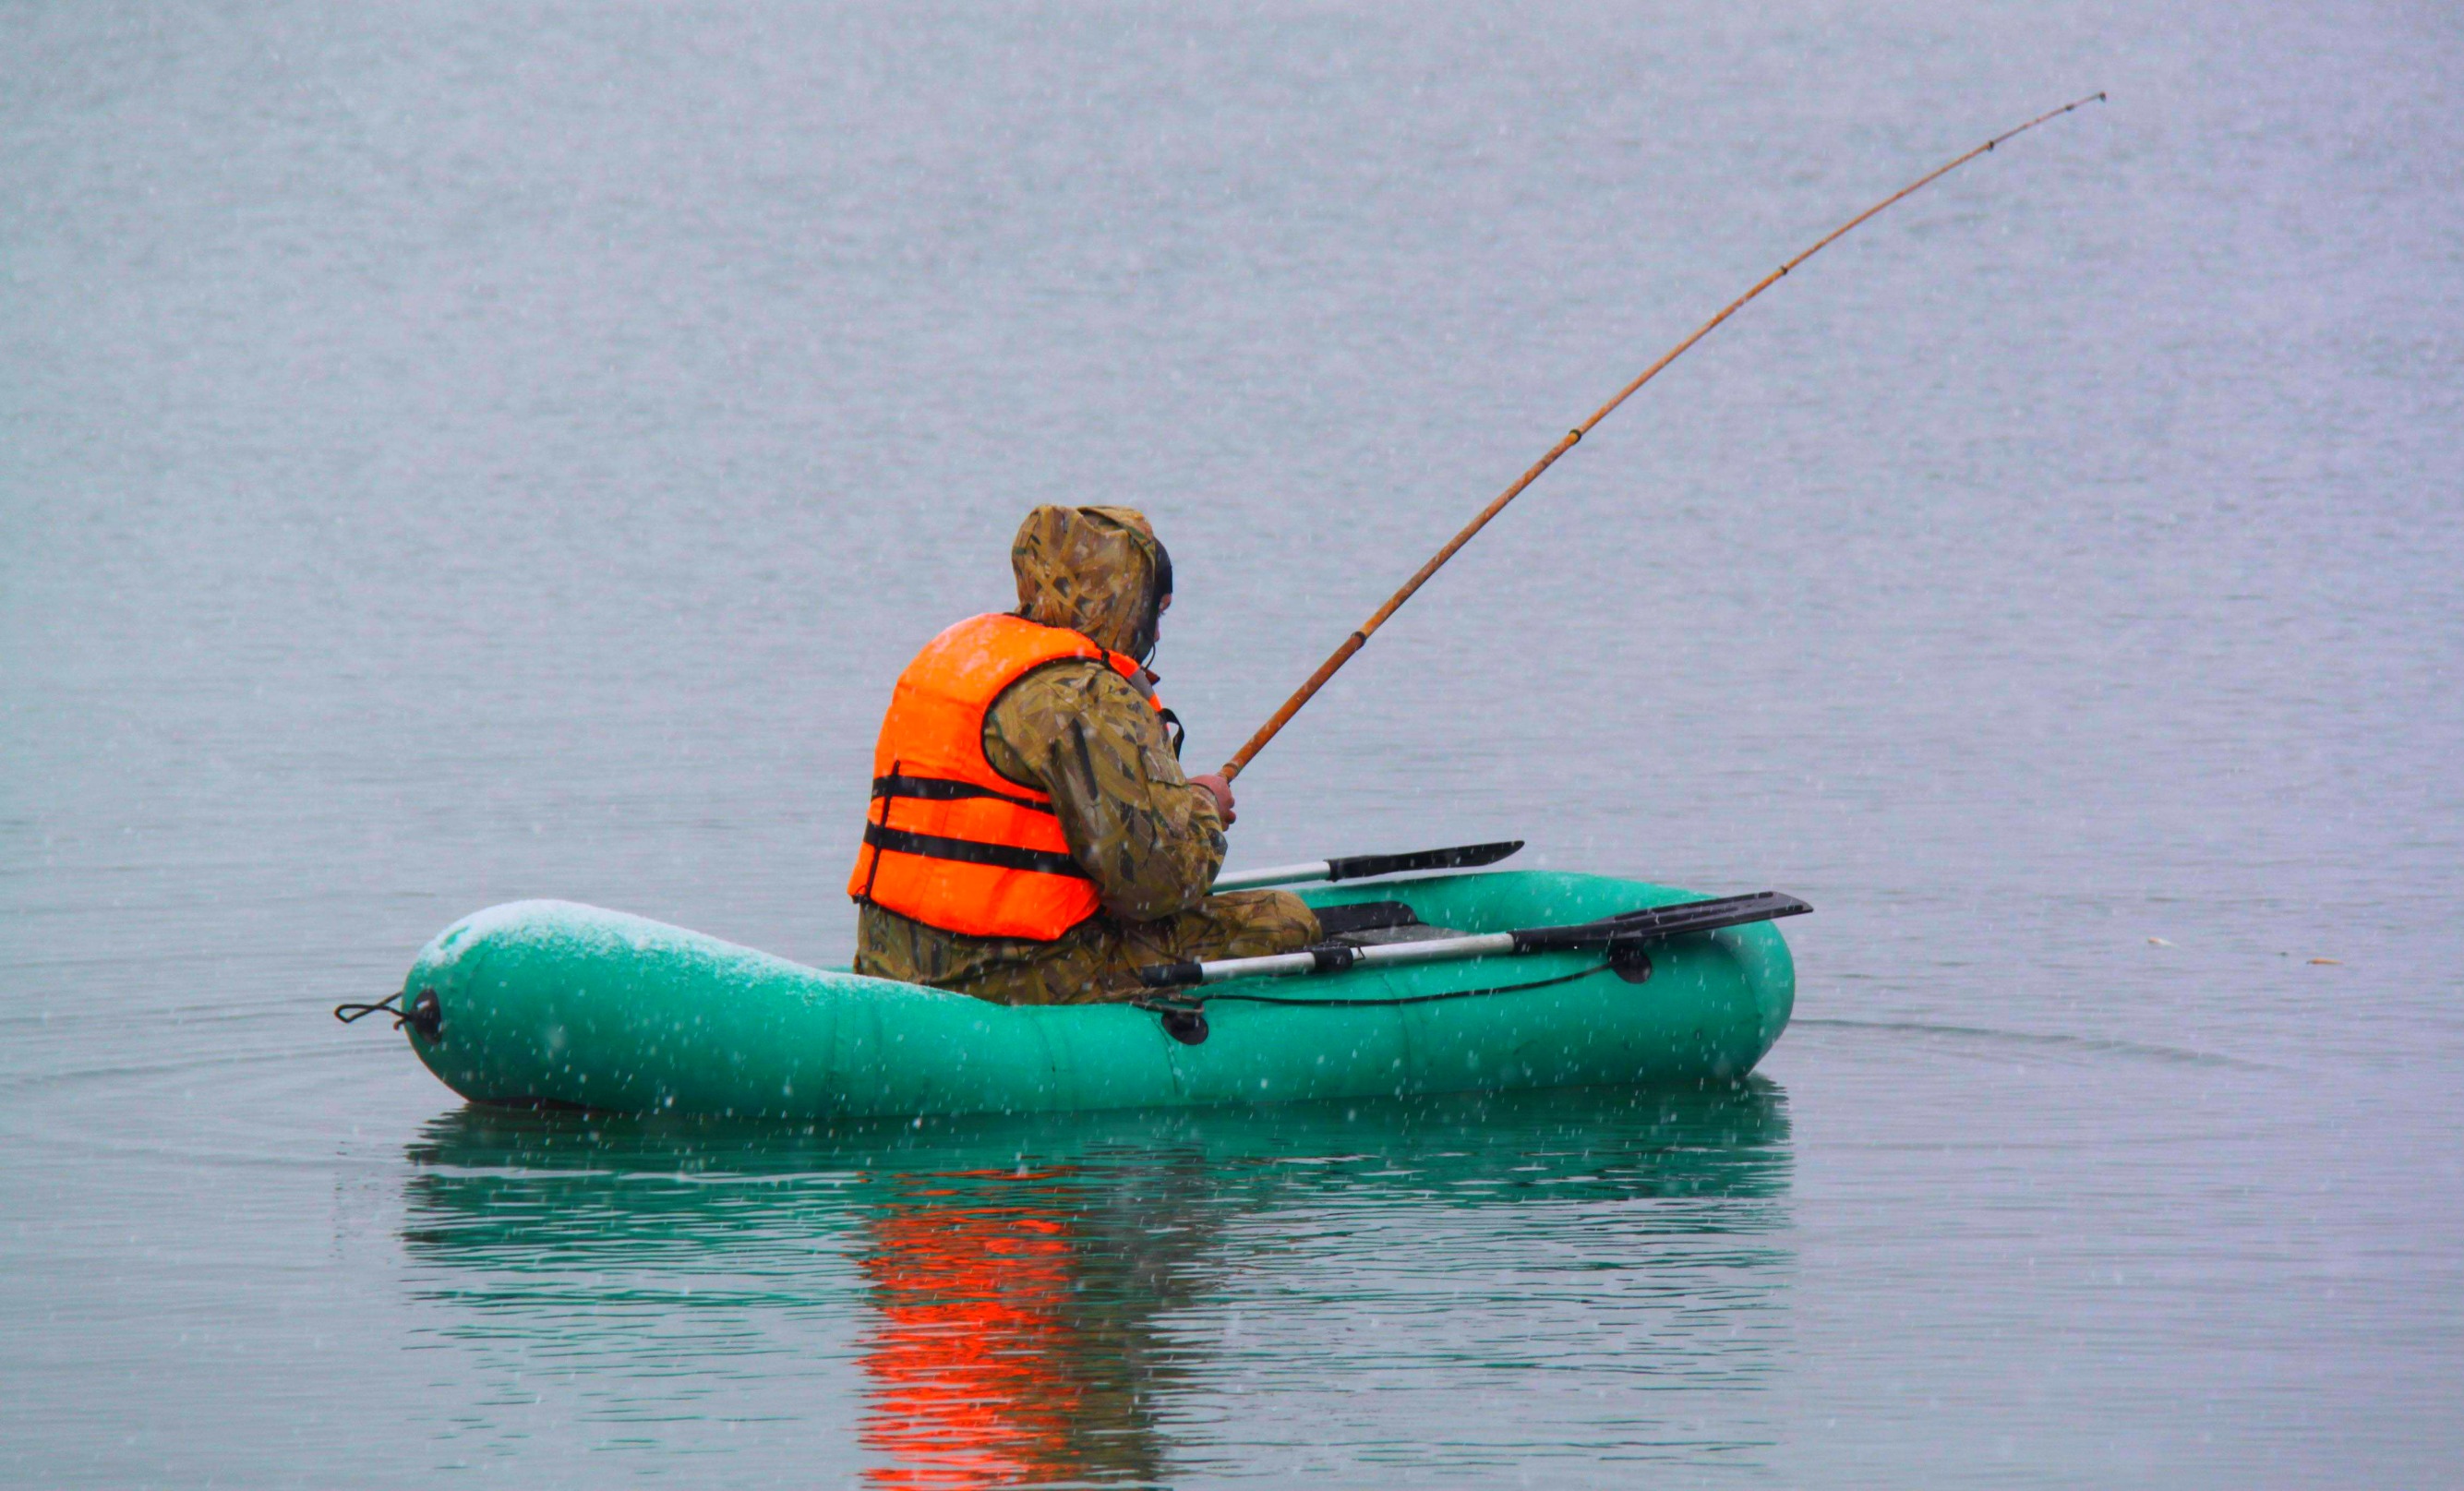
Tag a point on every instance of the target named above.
point(1465, 856)
point(1653, 923)
point(1729, 910)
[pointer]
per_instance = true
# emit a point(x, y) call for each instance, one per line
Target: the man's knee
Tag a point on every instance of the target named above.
point(1255, 923)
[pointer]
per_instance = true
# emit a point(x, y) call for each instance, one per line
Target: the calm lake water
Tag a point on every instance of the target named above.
point(459, 452)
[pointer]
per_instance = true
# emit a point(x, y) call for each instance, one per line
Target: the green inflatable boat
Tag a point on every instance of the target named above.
point(550, 1004)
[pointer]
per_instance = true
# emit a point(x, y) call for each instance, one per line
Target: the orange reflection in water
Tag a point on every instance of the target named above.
point(994, 1357)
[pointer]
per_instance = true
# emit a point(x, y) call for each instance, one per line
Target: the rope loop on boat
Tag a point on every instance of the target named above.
point(423, 1014)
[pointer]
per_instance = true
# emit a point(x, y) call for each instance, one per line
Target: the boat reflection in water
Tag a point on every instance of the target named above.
point(1069, 1298)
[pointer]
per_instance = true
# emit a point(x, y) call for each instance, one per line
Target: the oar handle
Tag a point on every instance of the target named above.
point(1323, 961)
point(1275, 875)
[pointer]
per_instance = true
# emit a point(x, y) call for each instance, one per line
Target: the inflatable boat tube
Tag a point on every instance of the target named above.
point(551, 1003)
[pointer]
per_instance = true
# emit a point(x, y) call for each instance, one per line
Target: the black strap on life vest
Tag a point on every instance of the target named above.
point(940, 789)
point(968, 851)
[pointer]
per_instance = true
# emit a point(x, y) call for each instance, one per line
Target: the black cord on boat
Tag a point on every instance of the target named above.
point(424, 1015)
point(1411, 999)
point(1184, 1017)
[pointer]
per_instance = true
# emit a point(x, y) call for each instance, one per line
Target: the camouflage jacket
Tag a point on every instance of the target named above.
point(1082, 733)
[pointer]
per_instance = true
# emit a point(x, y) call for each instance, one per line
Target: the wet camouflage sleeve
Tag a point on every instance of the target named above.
point(1151, 841)
point(1096, 960)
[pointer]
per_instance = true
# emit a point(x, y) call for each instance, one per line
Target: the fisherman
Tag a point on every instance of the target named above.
point(1032, 838)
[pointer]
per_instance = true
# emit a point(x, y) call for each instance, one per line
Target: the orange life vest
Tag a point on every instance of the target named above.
point(948, 841)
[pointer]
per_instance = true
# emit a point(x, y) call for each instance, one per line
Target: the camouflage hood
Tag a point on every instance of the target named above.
point(1094, 570)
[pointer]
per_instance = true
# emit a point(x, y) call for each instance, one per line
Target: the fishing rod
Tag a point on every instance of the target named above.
point(1437, 561)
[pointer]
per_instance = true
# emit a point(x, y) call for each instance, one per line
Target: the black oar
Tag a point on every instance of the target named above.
point(1613, 934)
point(1360, 866)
